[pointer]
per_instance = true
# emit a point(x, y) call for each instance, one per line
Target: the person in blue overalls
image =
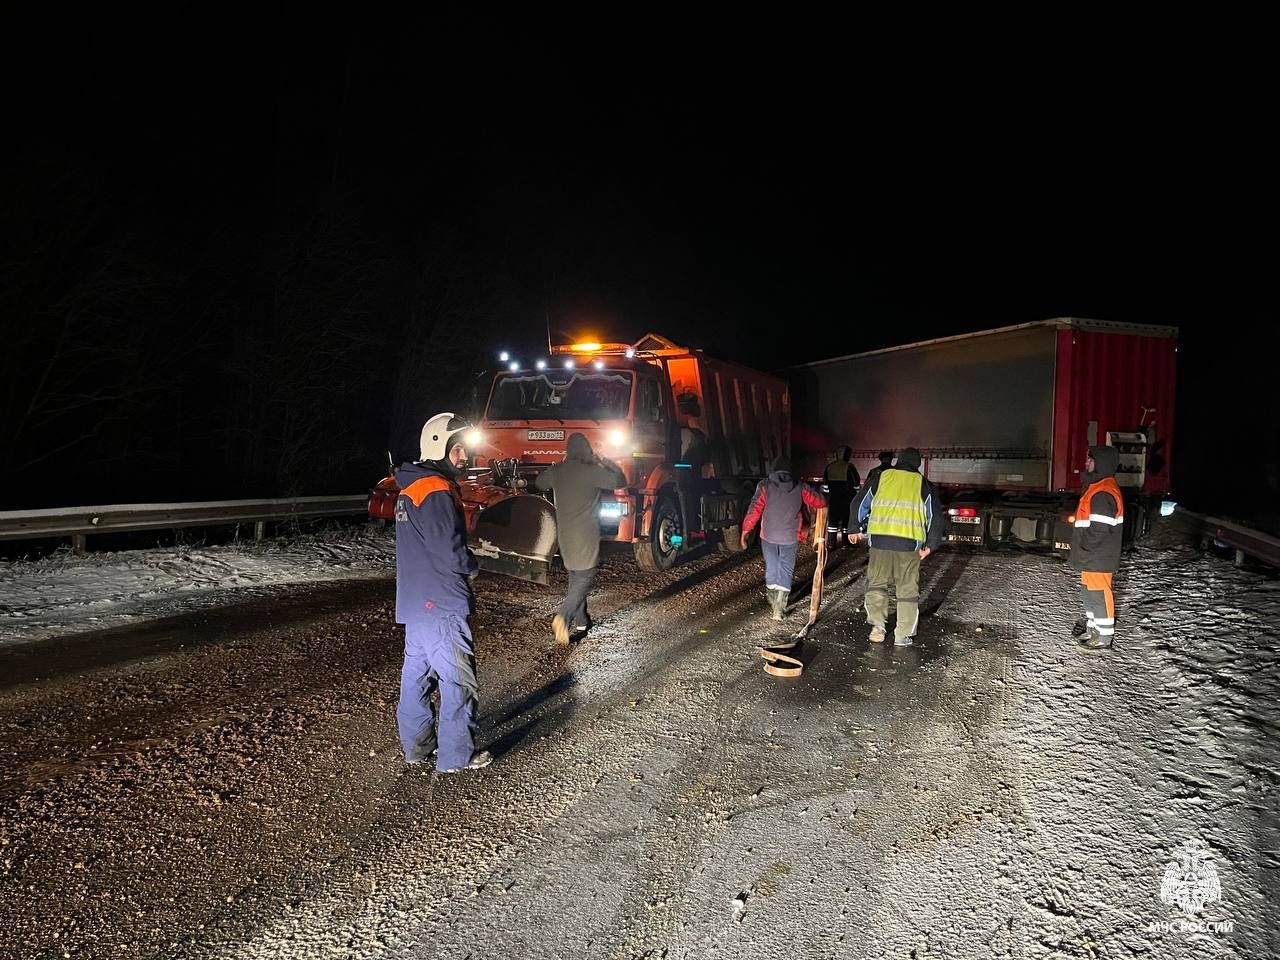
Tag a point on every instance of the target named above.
point(434, 570)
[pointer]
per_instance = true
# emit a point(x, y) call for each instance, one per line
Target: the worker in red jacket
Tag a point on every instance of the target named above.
point(778, 509)
point(1095, 545)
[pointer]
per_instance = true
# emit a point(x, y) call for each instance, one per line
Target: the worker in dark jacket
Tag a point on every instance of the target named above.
point(778, 509)
point(1095, 544)
point(434, 570)
point(899, 512)
point(577, 482)
point(886, 461)
point(841, 478)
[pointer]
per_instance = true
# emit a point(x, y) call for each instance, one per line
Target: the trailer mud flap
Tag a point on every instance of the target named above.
point(516, 537)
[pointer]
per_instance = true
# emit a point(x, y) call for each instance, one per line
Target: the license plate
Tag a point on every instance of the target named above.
point(546, 434)
point(961, 538)
point(966, 519)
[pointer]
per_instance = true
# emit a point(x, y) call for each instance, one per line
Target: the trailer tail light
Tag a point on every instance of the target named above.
point(1071, 518)
point(962, 512)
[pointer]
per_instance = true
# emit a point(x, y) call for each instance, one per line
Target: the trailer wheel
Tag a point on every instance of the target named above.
point(666, 538)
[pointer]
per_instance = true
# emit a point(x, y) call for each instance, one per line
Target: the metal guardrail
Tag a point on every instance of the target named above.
point(1245, 541)
point(80, 522)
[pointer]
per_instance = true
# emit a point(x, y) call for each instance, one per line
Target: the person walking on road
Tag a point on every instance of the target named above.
point(778, 509)
point(434, 570)
point(577, 483)
point(842, 481)
point(898, 510)
point(1095, 545)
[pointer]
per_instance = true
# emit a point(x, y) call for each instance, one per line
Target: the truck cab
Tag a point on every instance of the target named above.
point(621, 404)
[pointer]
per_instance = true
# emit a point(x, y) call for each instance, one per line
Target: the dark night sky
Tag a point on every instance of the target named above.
point(210, 193)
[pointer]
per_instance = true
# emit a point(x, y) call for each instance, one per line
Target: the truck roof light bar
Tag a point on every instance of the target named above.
point(590, 346)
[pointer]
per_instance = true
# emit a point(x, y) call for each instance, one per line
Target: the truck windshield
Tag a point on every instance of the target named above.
point(561, 395)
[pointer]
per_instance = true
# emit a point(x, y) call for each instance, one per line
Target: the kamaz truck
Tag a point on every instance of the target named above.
point(692, 434)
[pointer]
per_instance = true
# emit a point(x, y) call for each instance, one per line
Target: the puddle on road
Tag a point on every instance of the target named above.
point(842, 664)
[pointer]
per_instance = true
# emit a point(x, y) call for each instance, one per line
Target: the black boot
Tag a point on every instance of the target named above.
point(1081, 625)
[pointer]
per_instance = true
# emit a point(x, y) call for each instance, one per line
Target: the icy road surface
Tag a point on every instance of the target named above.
point(226, 784)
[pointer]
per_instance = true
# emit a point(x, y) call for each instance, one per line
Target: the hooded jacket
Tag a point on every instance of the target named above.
point(908, 462)
point(777, 505)
point(576, 483)
point(1099, 526)
point(875, 471)
point(433, 563)
point(841, 471)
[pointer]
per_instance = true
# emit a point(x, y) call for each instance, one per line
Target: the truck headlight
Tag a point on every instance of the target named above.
point(618, 438)
point(613, 510)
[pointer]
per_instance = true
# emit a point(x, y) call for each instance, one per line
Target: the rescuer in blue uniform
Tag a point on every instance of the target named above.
point(434, 570)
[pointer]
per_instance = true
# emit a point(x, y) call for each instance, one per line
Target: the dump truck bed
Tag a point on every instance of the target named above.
point(744, 414)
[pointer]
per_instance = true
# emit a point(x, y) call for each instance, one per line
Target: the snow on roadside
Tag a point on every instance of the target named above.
point(65, 593)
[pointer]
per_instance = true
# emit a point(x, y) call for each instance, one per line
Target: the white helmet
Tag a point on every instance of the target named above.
point(438, 436)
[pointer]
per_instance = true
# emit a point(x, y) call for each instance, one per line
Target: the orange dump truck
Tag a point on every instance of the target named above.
point(692, 434)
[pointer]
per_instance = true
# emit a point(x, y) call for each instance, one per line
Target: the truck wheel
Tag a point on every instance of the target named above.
point(731, 539)
point(666, 538)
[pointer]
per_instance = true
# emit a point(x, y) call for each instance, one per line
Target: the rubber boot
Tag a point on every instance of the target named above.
point(1094, 641)
point(778, 600)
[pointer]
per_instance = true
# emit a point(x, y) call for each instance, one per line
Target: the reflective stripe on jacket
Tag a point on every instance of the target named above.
point(1099, 528)
point(1085, 514)
point(898, 509)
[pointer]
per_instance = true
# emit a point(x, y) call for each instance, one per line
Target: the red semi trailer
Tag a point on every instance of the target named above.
point(1004, 419)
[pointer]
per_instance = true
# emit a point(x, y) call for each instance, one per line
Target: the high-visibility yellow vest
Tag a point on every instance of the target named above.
point(898, 507)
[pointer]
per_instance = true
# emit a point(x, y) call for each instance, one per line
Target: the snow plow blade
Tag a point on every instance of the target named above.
point(517, 538)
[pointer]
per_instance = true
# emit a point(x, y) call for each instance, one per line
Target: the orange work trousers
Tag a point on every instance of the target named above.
point(1099, 604)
